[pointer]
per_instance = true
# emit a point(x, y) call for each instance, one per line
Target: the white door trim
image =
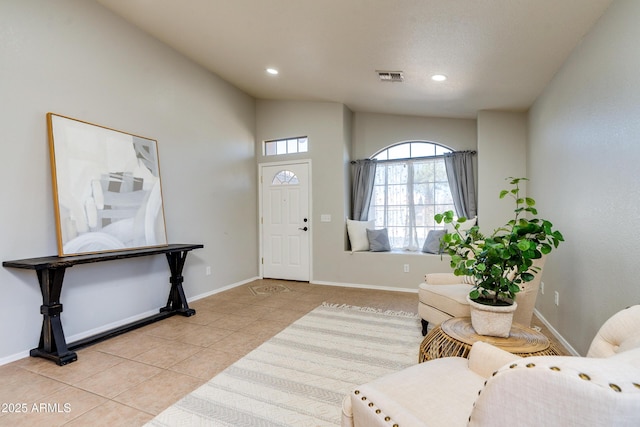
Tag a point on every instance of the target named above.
point(261, 166)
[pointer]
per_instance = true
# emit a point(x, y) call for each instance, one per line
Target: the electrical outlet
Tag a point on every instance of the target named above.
point(208, 271)
point(557, 298)
point(406, 268)
point(542, 288)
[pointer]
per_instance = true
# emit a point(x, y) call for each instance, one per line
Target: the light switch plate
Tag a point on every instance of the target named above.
point(325, 218)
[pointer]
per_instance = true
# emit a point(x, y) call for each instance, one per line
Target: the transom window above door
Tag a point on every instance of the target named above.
point(278, 147)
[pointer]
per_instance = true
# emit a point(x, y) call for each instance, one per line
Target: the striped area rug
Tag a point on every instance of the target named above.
point(300, 376)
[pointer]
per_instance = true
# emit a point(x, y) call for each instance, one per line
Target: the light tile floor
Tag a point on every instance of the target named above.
point(127, 380)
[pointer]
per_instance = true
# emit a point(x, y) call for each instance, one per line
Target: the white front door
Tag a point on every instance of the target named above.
point(285, 221)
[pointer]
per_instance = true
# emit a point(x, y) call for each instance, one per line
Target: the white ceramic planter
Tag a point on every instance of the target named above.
point(491, 320)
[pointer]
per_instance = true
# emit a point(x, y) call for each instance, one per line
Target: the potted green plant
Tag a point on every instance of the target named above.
point(498, 263)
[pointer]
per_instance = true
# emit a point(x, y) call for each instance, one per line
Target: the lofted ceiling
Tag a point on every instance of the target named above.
point(497, 54)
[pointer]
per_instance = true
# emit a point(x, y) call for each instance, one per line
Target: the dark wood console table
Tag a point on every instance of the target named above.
point(50, 271)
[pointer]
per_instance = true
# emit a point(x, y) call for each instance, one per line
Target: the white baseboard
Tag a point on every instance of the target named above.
point(356, 285)
point(109, 326)
point(14, 357)
point(146, 314)
point(113, 325)
point(76, 337)
point(556, 334)
point(224, 288)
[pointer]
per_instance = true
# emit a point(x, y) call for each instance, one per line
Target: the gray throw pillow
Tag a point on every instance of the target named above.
point(378, 240)
point(432, 242)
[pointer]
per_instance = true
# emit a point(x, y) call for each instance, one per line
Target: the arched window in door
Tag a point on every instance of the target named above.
point(285, 177)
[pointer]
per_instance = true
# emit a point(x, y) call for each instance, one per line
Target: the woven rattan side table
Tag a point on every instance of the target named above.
point(454, 337)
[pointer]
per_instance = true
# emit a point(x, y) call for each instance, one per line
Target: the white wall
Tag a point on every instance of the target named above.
point(583, 161)
point(373, 132)
point(75, 58)
point(502, 143)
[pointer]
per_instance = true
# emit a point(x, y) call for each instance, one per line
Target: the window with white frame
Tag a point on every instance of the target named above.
point(286, 146)
point(410, 187)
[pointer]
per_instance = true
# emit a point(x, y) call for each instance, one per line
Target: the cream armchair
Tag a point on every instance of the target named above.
point(602, 389)
point(444, 295)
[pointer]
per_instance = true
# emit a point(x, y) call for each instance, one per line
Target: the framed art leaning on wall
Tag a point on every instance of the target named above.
point(106, 188)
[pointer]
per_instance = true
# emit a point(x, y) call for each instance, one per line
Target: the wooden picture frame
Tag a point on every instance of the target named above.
point(107, 191)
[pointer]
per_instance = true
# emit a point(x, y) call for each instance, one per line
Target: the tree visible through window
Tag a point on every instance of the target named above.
point(410, 187)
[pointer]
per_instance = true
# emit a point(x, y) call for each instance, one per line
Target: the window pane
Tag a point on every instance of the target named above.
point(440, 150)
point(397, 173)
point(424, 171)
point(381, 173)
point(421, 218)
point(269, 148)
point(397, 195)
point(430, 212)
point(302, 145)
point(282, 146)
point(443, 193)
point(401, 151)
point(382, 156)
point(292, 146)
point(421, 194)
point(421, 149)
point(440, 171)
point(397, 215)
point(378, 197)
point(396, 237)
point(422, 234)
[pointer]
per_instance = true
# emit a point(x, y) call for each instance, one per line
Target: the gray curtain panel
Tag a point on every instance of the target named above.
point(363, 173)
point(459, 165)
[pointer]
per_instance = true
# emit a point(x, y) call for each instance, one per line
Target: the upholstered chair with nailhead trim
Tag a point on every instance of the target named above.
point(497, 388)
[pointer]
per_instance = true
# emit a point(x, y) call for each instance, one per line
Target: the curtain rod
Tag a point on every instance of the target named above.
point(415, 158)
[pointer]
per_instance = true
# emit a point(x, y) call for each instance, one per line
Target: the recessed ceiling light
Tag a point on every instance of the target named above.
point(272, 71)
point(439, 77)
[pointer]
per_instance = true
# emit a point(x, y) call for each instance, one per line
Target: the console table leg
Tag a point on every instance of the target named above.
point(177, 301)
point(52, 342)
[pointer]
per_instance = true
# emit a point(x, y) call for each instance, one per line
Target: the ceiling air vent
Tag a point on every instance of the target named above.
point(390, 76)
